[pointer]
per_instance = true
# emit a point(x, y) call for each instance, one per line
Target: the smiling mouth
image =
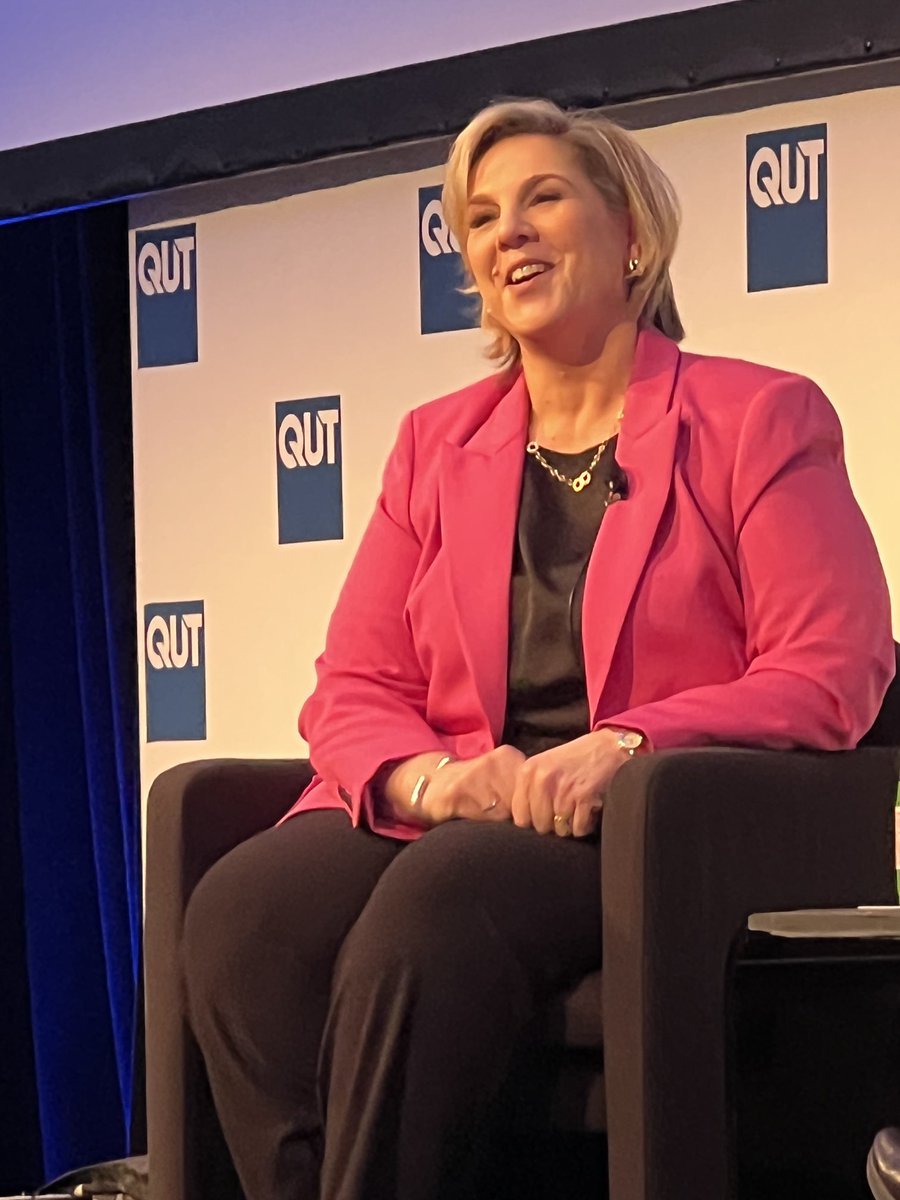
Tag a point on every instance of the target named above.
point(525, 272)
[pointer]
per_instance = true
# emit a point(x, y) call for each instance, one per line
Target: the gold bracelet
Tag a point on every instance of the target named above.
point(423, 780)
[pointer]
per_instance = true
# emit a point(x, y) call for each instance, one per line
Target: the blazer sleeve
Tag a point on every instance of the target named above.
point(369, 702)
point(819, 645)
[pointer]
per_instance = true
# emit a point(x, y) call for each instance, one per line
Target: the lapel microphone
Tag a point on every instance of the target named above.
point(620, 485)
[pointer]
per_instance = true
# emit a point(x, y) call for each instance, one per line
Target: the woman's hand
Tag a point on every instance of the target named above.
point(479, 789)
point(561, 791)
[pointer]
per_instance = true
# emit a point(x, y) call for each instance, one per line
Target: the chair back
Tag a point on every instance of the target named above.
point(886, 730)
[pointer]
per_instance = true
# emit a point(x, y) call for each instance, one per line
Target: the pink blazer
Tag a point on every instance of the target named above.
point(735, 597)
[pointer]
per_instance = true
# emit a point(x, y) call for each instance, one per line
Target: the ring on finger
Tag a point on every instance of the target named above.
point(488, 807)
point(561, 824)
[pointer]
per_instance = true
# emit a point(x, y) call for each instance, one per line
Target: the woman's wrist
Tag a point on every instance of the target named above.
point(402, 785)
point(628, 742)
point(424, 779)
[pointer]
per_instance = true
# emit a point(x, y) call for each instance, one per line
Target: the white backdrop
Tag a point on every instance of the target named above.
point(317, 295)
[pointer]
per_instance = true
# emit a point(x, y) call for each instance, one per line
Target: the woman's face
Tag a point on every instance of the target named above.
point(548, 255)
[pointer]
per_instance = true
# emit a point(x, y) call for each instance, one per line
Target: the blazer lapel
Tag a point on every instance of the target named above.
point(646, 453)
point(478, 488)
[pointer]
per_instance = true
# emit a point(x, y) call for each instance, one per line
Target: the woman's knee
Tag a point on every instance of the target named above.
point(479, 898)
point(222, 922)
point(427, 907)
point(279, 905)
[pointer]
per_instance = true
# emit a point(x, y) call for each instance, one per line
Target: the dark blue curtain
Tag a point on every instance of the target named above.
point(70, 880)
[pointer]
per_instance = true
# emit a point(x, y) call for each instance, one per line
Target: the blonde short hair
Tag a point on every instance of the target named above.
point(622, 171)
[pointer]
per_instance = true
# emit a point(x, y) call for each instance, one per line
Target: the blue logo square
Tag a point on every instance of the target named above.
point(441, 305)
point(787, 208)
point(175, 660)
point(166, 281)
point(308, 466)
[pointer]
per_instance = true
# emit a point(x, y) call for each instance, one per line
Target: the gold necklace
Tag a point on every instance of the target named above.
point(580, 482)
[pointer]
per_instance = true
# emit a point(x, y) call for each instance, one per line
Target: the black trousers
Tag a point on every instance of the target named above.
point(358, 1000)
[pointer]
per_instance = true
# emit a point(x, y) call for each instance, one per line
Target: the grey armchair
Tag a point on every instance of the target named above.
point(693, 843)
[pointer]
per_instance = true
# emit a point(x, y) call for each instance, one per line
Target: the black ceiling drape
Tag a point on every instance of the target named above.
point(679, 55)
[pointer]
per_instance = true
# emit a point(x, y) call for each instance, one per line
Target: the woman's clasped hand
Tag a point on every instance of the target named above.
point(559, 791)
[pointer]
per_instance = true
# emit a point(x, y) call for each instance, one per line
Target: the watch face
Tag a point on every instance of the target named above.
point(630, 741)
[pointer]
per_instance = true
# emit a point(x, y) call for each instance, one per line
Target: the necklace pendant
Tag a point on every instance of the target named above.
point(579, 484)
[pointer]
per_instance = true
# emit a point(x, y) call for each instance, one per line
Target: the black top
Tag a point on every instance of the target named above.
point(547, 695)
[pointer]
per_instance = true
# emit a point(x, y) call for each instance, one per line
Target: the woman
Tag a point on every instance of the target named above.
point(604, 548)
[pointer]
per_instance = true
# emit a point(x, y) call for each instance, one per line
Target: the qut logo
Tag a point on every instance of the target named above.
point(166, 267)
point(308, 469)
point(172, 644)
point(437, 237)
point(442, 306)
point(776, 179)
point(175, 656)
point(787, 208)
point(166, 270)
point(308, 440)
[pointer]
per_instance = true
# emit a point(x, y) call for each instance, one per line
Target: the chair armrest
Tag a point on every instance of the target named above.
point(693, 843)
point(196, 813)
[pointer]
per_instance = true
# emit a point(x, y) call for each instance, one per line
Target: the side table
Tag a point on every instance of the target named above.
point(816, 1016)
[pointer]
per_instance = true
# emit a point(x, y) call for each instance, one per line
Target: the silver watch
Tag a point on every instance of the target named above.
point(629, 740)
